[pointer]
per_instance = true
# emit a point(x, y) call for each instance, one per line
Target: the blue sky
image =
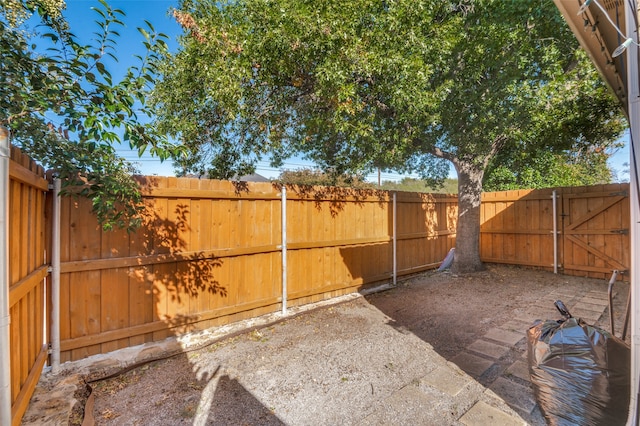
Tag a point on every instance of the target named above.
point(81, 19)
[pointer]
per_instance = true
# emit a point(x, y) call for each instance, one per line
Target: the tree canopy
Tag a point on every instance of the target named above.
point(547, 169)
point(64, 108)
point(408, 85)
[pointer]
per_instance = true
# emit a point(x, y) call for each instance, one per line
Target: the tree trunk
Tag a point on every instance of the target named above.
point(467, 253)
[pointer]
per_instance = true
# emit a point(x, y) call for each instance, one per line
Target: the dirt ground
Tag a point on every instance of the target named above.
point(446, 311)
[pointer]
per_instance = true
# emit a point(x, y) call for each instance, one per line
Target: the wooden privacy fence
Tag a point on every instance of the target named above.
point(592, 229)
point(27, 272)
point(211, 252)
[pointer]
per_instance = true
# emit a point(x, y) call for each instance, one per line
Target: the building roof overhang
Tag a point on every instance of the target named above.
point(599, 37)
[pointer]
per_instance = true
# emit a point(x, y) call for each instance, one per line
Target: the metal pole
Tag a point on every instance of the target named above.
point(284, 249)
point(612, 281)
point(555, 232)
point(395, 240)
point(5, 319)
point(55, 278)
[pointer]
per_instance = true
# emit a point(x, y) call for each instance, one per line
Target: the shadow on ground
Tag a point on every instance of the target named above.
point(479, 321)
point(176, 393)
point(393, 356)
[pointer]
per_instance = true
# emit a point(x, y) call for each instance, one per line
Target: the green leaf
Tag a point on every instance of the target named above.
point(144, 33)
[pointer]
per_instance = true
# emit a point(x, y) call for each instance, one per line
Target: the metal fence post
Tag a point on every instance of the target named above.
point(5, 338)
point(55, 278)
point(284, 249)
point(395, 239)
point(555, 231)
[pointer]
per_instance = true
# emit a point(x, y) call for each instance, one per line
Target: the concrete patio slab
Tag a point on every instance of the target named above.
point(447, 380)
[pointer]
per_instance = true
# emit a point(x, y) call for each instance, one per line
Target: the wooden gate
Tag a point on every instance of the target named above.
point(595, 230)
point(592, 229)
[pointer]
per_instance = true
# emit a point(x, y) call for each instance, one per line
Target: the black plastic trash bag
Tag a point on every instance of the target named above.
point(580, 373)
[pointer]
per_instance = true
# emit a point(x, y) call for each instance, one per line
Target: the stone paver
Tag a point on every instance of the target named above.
point(519, 369)
point(489, 349)
point(532, 315)
point(602, 295)
point(543, 304)
point(588, 316)
point(590, 306)
point(507, 337)
point(516, 325)
point(483, 414)
point(514, 394)
point(565, 296)
point(472, 364)
point(528, 316)
point(596, 301)
point(447, 380)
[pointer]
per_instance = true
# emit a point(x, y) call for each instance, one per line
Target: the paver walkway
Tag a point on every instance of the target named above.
point(488, 361)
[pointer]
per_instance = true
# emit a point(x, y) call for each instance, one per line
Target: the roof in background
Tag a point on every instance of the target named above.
point(253, 178)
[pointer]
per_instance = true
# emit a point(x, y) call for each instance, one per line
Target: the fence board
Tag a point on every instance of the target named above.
point(27, 273)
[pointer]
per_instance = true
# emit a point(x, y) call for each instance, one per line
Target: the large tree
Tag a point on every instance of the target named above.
point(405, 85)
point(64, 107)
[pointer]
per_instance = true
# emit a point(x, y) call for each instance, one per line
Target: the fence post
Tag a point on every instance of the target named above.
point(284, 249)
point(555, 231)
point(395, 240)
point(55, 278)
point(5, 338)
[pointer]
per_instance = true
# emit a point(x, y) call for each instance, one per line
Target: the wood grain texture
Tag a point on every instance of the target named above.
point(27, 273)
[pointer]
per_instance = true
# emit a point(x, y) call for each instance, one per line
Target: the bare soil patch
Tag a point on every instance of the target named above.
point(320, 364)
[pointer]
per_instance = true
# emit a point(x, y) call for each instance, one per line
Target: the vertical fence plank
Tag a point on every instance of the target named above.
point(85, 305)
point(65, 279)
point(197, 300)
point(165, 240)
point(114, 288)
